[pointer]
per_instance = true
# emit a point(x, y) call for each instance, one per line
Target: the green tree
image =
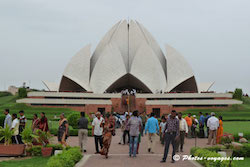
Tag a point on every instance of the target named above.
point(22, 92)
point(238, 94)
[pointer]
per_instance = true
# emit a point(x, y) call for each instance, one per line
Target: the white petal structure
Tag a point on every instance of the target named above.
point(109, 68)
point(77, 71)
point(205, 86)
point(147, 68)
point(179, 72)
point(51, 86)
point(128, 57)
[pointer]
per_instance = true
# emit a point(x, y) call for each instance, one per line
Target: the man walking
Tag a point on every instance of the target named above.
point(152, 128)
point(183, 133)
point(201, 125)
point(171, 135)
point(207, 128)
point(97, 131)
point(22, 123)
point(135, 124)
point(8, 119)
point(126, 130)
point(213, 124)
point(83, 132)
point(144, 119)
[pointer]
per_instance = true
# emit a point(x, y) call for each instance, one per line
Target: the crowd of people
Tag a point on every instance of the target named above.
point(171, 129)
point(17, 125)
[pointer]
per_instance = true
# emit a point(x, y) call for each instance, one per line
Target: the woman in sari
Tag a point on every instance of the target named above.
point(108, 131)
point(35, 123)
point(43, 124)
point(219, 130)
point(63, 130)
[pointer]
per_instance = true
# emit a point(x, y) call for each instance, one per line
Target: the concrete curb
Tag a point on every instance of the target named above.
point(83, 161)
point(196, 164)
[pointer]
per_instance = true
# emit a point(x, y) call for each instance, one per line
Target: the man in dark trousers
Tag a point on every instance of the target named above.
point(171, 135)
point(83, 132)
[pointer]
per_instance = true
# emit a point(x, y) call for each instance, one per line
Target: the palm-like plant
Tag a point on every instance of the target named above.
point(28, 136)
point(6, 135)
point(43, 137)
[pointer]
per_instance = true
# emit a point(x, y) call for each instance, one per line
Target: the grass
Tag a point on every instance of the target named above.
point(233, 113)
point(34, 161)
point(236, 127)
point(244, 163)
point(9, 102)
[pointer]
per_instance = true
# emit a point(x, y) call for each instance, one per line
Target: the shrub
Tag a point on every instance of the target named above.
point(36, 151)
point(53, 131)
point(68, 158)
point(73, 132)
point(22, 92)
point(73, 120)
point(238, 94)
point(2, 120)
point(2, 94)
point(214, 148)
point(192, 151)
point(209, 163)
point(55, 147)
point(242, 152)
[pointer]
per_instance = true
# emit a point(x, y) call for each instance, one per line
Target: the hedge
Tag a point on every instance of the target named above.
point(199, 152)
point(68, 158)
point(242, 152)
point(2, 118)
point(72, 132)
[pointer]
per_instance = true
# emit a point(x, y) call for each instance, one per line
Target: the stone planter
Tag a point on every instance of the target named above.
point(229, 152)
point(12, 149)
point(47, 151)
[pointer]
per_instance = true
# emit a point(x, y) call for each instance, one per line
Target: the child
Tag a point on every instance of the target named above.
point(162, 127)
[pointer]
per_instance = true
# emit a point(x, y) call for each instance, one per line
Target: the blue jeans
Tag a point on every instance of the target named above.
point(133, 145)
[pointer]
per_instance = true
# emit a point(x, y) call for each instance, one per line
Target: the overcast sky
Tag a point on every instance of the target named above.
point(38, 37)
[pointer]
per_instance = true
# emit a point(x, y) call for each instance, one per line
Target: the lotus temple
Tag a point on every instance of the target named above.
point(128, 70)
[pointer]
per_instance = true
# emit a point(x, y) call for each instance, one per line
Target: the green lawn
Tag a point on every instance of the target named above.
point(35, 161)
point(10, 103)
point(235, 127)
point(236, 112)
point(244, 163)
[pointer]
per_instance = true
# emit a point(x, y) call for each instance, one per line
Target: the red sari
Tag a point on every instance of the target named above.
point(43, 124)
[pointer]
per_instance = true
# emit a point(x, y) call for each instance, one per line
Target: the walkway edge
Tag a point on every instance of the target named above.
point(196, 164)
point(83, 161)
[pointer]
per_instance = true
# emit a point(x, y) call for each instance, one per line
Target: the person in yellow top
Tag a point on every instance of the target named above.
point(15, 128)
point(219, 131)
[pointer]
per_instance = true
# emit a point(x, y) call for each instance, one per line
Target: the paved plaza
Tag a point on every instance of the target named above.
point(118, 155)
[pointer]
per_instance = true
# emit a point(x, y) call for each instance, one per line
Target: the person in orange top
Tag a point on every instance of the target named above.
point(220, 130)
point(189, 123)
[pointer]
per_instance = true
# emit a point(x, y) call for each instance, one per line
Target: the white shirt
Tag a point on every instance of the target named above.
point(162, 125)
point(98, 129)
point(15, 126)
point(213, 123)
point(8, 121)
point(183, 125)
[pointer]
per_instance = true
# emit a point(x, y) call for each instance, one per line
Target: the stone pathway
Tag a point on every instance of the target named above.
point(118, 155)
